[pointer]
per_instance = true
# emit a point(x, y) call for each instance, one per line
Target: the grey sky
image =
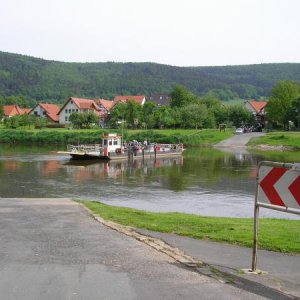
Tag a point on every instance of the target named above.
point(175, 32)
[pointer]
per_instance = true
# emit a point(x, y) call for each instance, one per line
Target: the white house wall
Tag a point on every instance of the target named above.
point(249, 107)
point(67, 111)
point(38, 111)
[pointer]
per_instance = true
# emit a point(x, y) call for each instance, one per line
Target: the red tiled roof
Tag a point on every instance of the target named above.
point(53, 117)
point(138, 99)
point(258, 106)
point(51, 109)
point(12, 110)
point(81, 103)
point(85, 103)
point(26, 110)
point(107, 104)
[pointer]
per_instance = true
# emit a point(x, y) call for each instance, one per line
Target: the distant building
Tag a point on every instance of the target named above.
point(141, 99)
point(13, 110)
point(159, 99)
point(45, 110)
point(78, 105)
point(258, 110)
point(105, 105)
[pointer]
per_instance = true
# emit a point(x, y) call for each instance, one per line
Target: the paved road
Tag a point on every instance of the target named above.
point(238, 141)
point(53, 249)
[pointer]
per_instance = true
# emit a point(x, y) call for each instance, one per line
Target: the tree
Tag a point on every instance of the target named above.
point(217, 110)
point(180, 97)
point(84, 120)
point(117, 113)
point(280, 105)
point(39, 122)
point(133, 113)
point(295, 117)
point(240, 116)
point(1, 111)
point(164, 117)
point(194, 115)
point(148, 114)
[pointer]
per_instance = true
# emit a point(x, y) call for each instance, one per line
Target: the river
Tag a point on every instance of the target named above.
point(204, 181)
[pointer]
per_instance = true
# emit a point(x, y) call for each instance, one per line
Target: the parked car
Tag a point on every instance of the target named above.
point(239, 131)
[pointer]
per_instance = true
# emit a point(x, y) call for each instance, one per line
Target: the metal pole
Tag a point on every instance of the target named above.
point(255, 238)
point(255, 229)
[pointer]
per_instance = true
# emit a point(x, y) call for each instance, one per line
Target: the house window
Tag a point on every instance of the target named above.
point(70, 110)
point(76, 110)
point(110, 142)
point(73, 110)
point(115, 142)
point(66, 119)
point(66, 111)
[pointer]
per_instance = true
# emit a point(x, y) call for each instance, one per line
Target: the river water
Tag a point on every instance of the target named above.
point(204, 181)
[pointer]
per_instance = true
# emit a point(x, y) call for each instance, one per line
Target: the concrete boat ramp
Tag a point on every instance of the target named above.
point(55, 249)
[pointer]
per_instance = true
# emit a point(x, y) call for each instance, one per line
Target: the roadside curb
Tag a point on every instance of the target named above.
point(155, 243)
point(262, 286)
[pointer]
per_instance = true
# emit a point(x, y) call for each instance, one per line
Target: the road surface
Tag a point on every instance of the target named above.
point(239, 140)
point(53, 249)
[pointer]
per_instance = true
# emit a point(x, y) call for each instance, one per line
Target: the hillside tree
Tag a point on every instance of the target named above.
point(280, 105)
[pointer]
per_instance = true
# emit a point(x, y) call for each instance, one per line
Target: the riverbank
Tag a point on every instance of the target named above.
point(277, 141)
point(61, 136)
point(275, 234)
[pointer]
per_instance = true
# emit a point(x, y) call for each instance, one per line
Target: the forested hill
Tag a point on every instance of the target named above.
point(42, 80)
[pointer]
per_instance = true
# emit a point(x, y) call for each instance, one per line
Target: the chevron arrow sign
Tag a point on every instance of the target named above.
point(279, 186)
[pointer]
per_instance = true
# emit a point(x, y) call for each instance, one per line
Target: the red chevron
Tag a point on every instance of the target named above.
point(267, 184)
point(295, 189)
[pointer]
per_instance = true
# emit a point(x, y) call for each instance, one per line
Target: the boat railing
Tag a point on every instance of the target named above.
point(165, 147)
point(84, 148)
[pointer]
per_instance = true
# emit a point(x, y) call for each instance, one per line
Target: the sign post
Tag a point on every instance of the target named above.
point(278, 188)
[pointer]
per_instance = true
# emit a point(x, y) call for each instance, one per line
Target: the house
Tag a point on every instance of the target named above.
point(159, 99)
point(78, 105)
point(258, 110)
point(45, 110)
point(12, 110)
point(141, 99)
point(105, 105)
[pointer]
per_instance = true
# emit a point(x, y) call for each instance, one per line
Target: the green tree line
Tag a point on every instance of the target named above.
point(186, 110)
point(40, 80)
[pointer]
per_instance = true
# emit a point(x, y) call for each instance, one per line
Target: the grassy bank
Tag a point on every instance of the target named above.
point(275, 234)
point(66, 136)
point(290, 140)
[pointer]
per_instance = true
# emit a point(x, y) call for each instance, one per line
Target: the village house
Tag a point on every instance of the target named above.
point(141, 99)
point(105, 105)
point(45, 110)
point(78, 105)
point(13, 110)
point(258, 110)
point(159, 99)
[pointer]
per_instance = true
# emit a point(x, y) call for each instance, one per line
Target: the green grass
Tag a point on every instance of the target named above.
point(274, 234)
point(189, 137)
point(286, 139)
point(65, 136)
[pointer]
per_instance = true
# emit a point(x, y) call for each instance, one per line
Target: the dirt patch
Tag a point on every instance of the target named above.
point(280, 148)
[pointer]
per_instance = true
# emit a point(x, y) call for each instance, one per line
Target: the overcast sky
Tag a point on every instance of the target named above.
point(175, 32)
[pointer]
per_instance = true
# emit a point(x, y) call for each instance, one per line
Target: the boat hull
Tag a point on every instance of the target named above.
point(121, 156)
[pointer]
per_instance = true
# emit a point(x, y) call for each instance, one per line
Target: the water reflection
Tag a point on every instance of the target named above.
point(203, 181)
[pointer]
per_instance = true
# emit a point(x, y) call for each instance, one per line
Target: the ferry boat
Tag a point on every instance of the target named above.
point(113, 148)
